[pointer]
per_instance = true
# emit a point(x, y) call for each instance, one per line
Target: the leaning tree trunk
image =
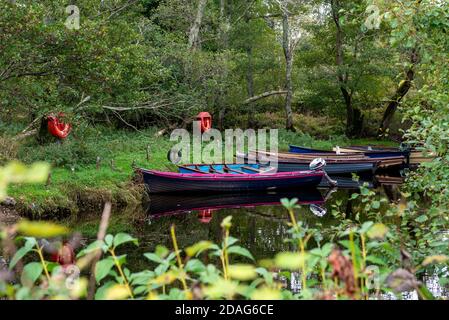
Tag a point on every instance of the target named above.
point(400, 93)
point(288, 53)
point(195, 28)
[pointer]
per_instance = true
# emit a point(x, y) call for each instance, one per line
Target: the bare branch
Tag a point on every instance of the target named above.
point(265, 95)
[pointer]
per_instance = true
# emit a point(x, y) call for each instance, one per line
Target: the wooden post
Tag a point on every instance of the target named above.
point(48, 179)
point(148, 152)
point(98, 163)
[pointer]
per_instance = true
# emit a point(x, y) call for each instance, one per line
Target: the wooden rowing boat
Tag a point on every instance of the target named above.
point(383, 162)
point(332, 167)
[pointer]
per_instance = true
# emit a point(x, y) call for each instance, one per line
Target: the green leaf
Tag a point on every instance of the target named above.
point(108, 240)
point(52, 266)
point(231, 240)
point(268, 276)
point(195, 265)
point(141, 278)
point(122, 238)
point(354, 196)
point(17, 172)
point(240, 251)
point(375, 260)
point(100, 294)
point(38, 172)
point(365, 227)
point(116, 292)
point(153, 257)
point(243, 272)
point(41, 229)
point(161, 251)
point(197, 248)
point(226, 223)
point(266, 293)
point(290, 204)
point(28, 246)
point(102, 268)
point(377, 231)
point(421, 218)
point(435, 259)
point(289, 260)
point(121, 260)
point(425, 293)
point(32, 271)
point(94, 246)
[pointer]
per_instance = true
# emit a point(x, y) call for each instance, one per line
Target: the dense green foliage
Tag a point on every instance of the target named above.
point(133, 65)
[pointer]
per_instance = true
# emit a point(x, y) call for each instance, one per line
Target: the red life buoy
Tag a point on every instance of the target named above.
point(57, 128)
point(205, 215)
point(205, 120)
point(65, 255)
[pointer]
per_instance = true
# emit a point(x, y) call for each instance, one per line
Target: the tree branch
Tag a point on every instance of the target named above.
point(265, 95)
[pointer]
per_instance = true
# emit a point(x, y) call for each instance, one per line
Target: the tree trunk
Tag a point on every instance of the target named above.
point(224, 46)
point(250, 84)
point(288, 53)
point(400, 93)
point(354, 117)
point(221, 116)
point(195, 29)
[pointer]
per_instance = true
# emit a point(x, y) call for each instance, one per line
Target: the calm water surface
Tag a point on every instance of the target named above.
point(258, 221)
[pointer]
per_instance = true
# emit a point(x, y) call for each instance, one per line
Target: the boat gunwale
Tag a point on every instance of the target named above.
point(235, 177)
point(335, 160)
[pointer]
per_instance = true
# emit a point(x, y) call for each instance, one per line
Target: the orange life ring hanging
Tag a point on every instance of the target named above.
point(58, 128)
point(205, 120)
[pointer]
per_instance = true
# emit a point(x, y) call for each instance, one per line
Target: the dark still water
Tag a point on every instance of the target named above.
point(259, 220)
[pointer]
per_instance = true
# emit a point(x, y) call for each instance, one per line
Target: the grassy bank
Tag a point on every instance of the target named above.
point(79, 182)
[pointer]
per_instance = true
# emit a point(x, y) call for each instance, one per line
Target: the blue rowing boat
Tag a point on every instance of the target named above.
point(226, 168)
point(303, 150)
point(367, 151)
point(234, 179)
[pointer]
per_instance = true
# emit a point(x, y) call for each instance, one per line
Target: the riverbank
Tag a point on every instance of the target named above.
point(97, 166)
point(8, 215)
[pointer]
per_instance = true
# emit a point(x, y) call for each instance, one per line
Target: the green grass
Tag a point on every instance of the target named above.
point(74, 164)
point(77, 175)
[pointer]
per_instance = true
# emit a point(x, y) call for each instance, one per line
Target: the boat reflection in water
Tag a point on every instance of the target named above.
point(205, 205)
